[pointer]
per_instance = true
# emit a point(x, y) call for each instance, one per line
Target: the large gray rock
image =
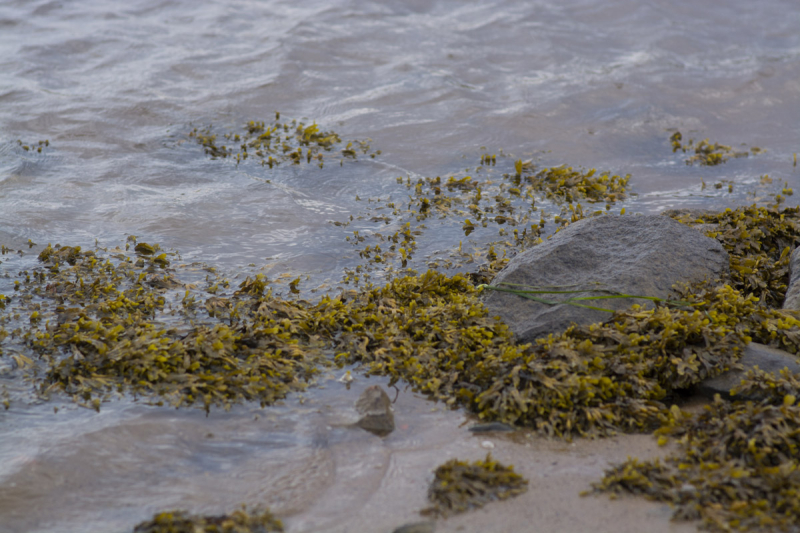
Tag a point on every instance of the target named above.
point(792, 299)
point(638, 255)
point(755, 355)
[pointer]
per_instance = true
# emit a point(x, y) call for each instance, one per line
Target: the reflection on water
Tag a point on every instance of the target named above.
point(435, 84)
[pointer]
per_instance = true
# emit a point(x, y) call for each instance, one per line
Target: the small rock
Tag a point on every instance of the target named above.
point(687, 489)
point(764, 357)
point(375, 409)
point(487, 444)
point(417, 527)
point(490, 427)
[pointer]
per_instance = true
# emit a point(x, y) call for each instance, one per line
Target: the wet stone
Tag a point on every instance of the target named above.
point(417, 527)
point(375, 409)
point(758, 355)
point(635, 255)
point(792, 300)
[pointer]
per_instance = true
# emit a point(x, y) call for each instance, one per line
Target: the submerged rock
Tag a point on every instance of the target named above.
point(758, 355)
point(636, 255)
point(375, 409)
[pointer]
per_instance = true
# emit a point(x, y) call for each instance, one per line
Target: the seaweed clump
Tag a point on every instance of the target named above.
point(737, 467)
point(279, 142)
point(433, 332)
point(240, 521)
point(707, 153)
point(759, 241)
point(105, 324)
point(109, 332)
point(459, 486)
point(563, 183)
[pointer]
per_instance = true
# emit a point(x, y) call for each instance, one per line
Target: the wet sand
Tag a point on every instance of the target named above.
point(557, 471)
point(309, 464)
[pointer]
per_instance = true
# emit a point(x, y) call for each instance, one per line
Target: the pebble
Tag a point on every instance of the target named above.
point(417, 527)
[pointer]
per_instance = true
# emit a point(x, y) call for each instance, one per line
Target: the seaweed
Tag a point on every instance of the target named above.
point(459, 486)
point(293, 142)
point(38, 146)
point(102, 324)
point(736, 468)
point(430, 330)
point(433, 332)
point(707, 153)
point(759, 241)
point(239, 521)
point(737, 464)
point(566, 184)
point(124, 322)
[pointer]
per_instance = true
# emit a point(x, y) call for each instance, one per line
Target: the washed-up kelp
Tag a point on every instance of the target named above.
point(459, 486)
point(101, 325)
point(737, 468)
point(759, 241)
point(707, 153)
point(433, 332)
point(430, 330)
point(239, 521)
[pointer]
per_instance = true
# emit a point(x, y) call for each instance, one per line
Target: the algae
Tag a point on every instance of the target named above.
point(239, 521)
point(707, 153)
point(37, 146)
point(459, 486)
point(737, 465)
point(736, 468)
point(570, 185)
point(759, 241)
point(105, 332)
point(484, 199)
point(293, 142)
point(103, 324)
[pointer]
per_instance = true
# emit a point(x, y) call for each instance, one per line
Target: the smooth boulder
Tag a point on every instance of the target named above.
point(636, 255)
point(792, 299)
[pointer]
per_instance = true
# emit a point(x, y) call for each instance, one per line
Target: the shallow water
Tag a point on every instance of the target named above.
point(116, 89)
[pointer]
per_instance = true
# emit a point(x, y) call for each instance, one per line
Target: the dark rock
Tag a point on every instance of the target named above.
point(637, 255)
point(417, 527)
point(490, 427)
point(792, 299)
point(375, 409)
point(764, 357)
